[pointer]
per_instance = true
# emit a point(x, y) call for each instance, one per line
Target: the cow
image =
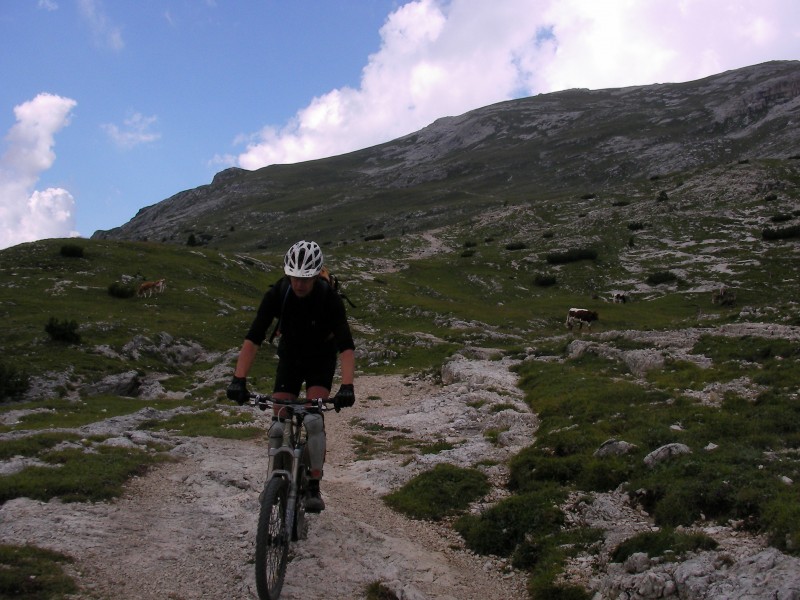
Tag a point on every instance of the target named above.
point(579, 316)
point(620, 298)
point(148, 288)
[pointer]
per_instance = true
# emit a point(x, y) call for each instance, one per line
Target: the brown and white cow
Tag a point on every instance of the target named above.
point(148, 288)
point(579, 316)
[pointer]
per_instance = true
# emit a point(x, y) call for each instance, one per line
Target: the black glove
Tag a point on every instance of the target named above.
point(237, 390)
point(345, 397)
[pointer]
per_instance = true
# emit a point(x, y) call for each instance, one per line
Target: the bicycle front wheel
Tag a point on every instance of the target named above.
point(272, 539)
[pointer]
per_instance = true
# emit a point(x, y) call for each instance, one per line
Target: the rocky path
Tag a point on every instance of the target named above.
point(186, 530)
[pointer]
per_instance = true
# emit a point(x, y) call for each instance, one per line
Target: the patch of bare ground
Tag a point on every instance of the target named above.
point(186, 530)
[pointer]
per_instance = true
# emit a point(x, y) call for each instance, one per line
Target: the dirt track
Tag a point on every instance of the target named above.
point(186, 531)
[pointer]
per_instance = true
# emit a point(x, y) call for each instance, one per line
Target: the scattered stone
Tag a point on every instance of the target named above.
point(665, 452)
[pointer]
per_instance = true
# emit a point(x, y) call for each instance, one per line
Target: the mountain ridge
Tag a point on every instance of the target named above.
point(562, 144)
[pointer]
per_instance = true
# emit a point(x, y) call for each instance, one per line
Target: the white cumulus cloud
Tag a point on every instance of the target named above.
point(446, 57)
point(135, 130)
point(105, 33)
point(27, 214)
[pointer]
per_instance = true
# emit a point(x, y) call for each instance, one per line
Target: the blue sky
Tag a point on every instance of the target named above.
point(107, 106)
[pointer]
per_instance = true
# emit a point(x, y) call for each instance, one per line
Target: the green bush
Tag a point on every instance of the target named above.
point(377, 591)
point(120, 290)
point(80, 476)
point(72, 251)
point(659, 543)
point(516, 246)
point(572, 255)
point(543, 280)
point(660, 277)
point(781, 233)
point(63, 331)
point(34, 573)
point(13, 381)
point(501, 528)
point(782, 519)
point(444, 490)
point(781, 218)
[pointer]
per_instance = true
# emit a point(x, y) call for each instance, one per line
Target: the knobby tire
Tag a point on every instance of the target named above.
point(272, 539)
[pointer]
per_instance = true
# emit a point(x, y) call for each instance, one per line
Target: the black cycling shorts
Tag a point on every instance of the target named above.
point(292, 373)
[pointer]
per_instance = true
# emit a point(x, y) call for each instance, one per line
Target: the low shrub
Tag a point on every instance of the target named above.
point(659, 543)
point(572, 255)
point(543, 280)
point(781, 233)
point(72, 251)
point(502, 527)
point(660, 277)
point(120, 290)
point(782, 519)
point(208, 423)
point(81, 476)
point(13, 381)
point(781, 218)
point(377, 591)
point(516, 246)
point(63, 331)
point(442, 491)
point(31, 572)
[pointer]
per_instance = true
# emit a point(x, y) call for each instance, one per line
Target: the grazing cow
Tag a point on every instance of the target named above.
point(148, 288)
point(620, 298)
point(579, 316)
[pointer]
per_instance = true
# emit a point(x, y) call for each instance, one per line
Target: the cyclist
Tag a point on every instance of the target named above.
point(313, 330)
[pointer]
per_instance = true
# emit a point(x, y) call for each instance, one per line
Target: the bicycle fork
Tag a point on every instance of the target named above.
point(292, 456)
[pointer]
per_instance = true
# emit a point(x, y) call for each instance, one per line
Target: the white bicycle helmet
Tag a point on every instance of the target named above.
point(304, 259)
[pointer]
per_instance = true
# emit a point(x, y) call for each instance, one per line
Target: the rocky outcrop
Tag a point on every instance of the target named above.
point(557, 143)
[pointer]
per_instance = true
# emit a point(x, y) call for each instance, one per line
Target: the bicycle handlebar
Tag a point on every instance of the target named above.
point(265, 401)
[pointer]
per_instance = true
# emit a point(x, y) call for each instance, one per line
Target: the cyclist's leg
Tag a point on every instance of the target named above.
point(319, 379)
point(288, 380)
point(315, 426)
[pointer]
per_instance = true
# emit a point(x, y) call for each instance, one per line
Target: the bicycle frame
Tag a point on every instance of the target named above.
point(282, 508)
point(291, 450)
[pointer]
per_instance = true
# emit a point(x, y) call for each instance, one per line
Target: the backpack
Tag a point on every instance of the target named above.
point(326, 275)
point(333, 282)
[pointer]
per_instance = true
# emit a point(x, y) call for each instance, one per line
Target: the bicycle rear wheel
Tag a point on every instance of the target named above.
point(272, 539)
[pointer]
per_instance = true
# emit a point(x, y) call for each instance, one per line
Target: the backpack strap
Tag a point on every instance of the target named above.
point(276, 330)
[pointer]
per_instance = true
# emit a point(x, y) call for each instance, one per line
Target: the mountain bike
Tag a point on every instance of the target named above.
point(282, 515)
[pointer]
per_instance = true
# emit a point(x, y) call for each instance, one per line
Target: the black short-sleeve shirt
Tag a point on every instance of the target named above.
point(312, 326)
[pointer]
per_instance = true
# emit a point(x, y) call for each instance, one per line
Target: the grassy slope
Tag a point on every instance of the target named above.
point(478, 292)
